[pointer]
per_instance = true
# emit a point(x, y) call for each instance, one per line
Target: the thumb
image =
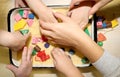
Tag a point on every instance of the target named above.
point(12, 68)
point(26, 36)
point(61, 17)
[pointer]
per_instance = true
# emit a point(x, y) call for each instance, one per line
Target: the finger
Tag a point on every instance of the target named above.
point(22, 4)
point(24, 54)
point(97, 6)
point(54, 62)
point(16, 4)
point(54, 55)
point(12, 68)
point(69, 14)
point(53, 42)
point(46, 32)
point(56, 52)
point(62, 17)
point(29, 54)
point(46, 26)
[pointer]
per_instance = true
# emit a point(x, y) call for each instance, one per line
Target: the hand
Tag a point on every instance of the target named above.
point(20, 3)
point(97, 4)
point(43, 12)
point(25, 67)
point(47, 15)
point(63, 33)
point(18, 41)
point(80, 10)
point(64, 64)
point(79, 14)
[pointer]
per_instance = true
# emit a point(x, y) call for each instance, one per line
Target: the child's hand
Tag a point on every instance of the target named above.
point(20, 3)
point(13, 40)
point(63, 64)
point(80, 13)
point(25, 67)
point(17, 41)
point(42, 11)
point(97, 4)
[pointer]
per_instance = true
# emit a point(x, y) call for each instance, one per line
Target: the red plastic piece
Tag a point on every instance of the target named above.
point(43, 56)
point(44, 38)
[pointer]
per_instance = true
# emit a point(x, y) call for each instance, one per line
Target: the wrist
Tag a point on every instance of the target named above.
point(86, 46)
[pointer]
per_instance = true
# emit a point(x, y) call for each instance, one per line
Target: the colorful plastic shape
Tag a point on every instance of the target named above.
point(84, 60)
point(44, 39)
point(25, 13)
point(71, 51)
point(114, 23)
point(30, 22)
point(99, 24)
point(46, 45)
point(37, 58)
point(100, 43)
point(104, 25)
point(37, 48)
point(25, 31)
point(34, 40)
point(34, 52)
point(87, 31)
point(17, 17)
point(43, 56)
point(101, 37)
point(21, 12)
point(31, 16)
point(19, 25)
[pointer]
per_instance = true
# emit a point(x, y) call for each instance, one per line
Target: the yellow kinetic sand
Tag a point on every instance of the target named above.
point(42, 56)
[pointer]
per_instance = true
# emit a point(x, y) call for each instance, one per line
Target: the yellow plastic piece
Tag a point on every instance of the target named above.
point(114, 23)
point(19, 25)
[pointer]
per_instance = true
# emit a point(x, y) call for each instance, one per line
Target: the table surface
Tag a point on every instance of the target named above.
point(111, 44)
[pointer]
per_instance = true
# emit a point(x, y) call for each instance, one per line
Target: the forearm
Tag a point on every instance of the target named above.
point(74, 73)
point(87, 47)
point(37, 6)
point(4, 38)
point(105, 63)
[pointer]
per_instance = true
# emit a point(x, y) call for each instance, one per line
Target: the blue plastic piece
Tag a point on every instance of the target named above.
point(31, 16)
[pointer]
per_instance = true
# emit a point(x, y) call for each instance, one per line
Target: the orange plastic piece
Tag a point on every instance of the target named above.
point(101, 37)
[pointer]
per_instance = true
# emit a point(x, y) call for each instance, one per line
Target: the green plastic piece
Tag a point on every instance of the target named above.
point(85, 60)
point(34, 52)
point(24, 31)
point(100, 43)
point(21, 12)
point(87, 31)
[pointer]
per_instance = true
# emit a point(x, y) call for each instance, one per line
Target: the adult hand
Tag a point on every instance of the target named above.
point(65, 64)
point(25, 67)
point(63, 33)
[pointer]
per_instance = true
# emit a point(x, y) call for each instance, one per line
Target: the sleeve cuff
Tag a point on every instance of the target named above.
point(107, 63)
